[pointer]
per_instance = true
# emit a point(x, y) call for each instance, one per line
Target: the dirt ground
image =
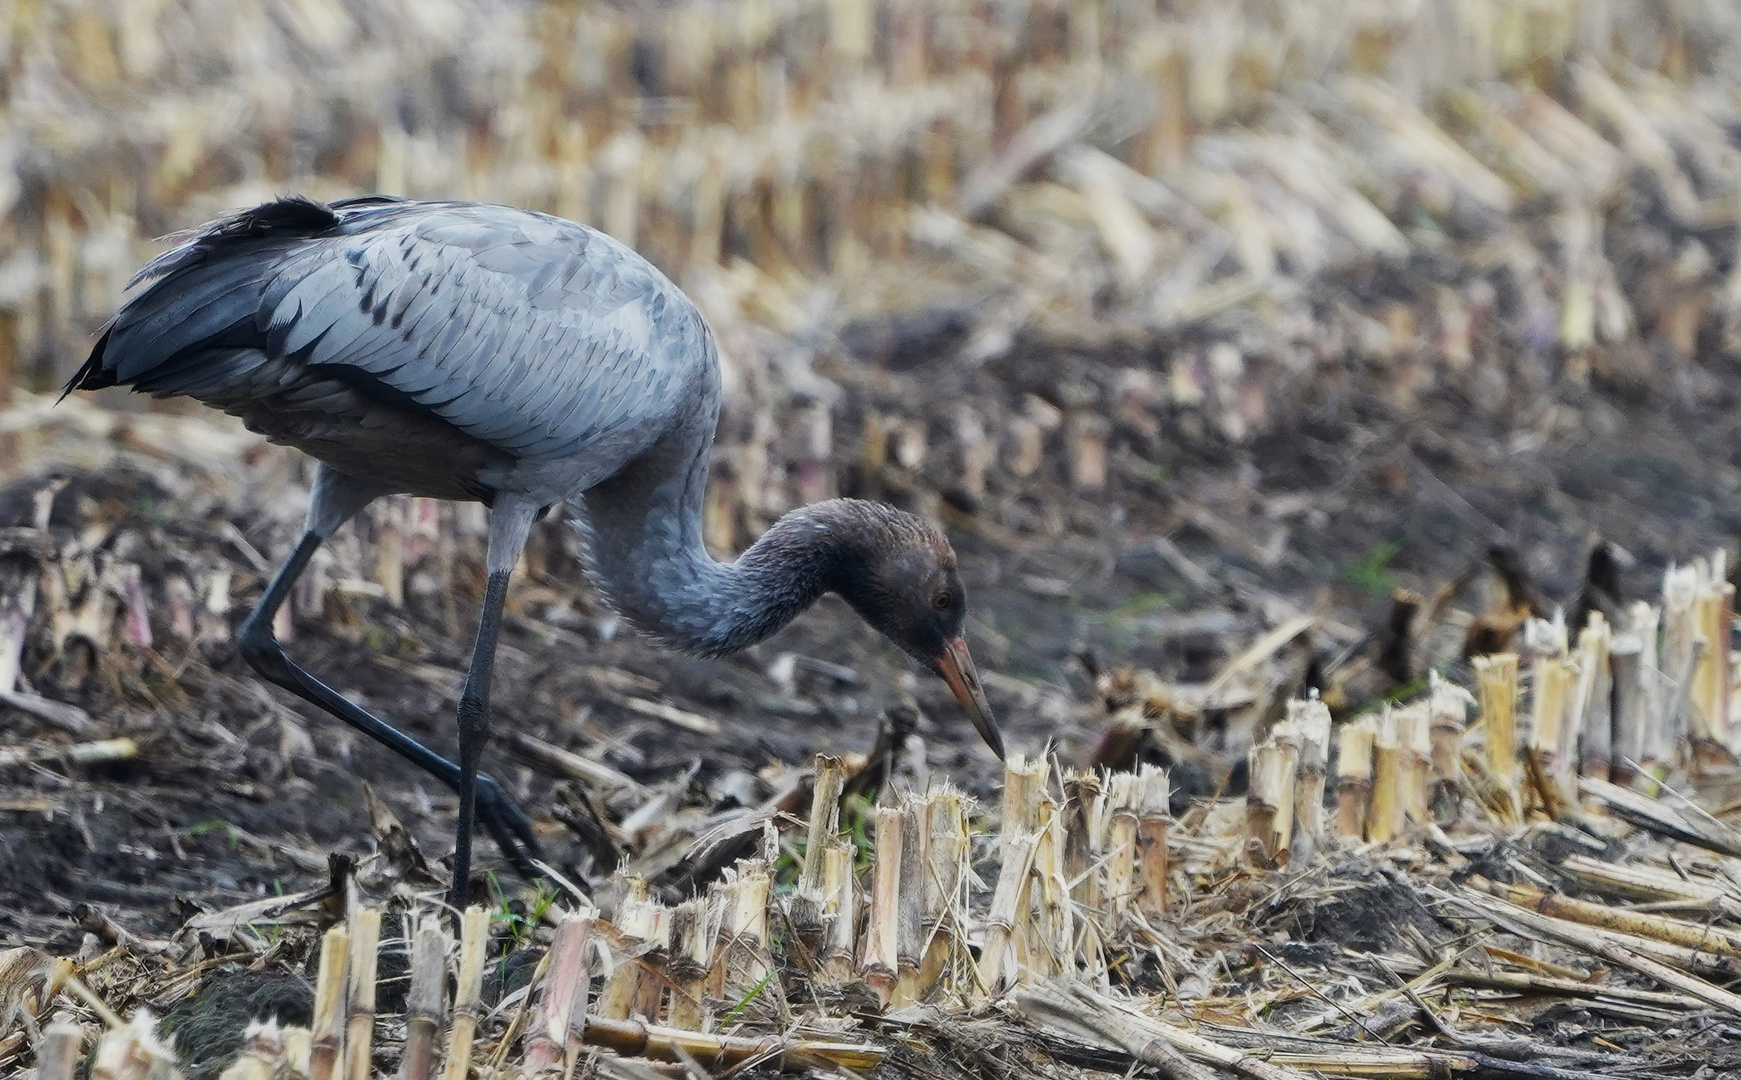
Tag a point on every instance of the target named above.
point(1343, 501)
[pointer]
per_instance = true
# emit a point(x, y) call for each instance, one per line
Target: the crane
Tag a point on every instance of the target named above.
point(466, 351)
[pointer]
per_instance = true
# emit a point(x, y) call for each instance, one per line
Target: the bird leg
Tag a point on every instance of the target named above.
point(510, 525)
point(474, 728)
point(507, 823)
point(509, 826)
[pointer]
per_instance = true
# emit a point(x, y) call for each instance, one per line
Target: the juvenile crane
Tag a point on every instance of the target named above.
point(473, 352)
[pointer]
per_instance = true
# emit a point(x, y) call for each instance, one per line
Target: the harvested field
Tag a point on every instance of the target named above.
point(1289, 378)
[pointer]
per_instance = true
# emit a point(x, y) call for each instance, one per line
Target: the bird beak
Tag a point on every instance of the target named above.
point(955, 664)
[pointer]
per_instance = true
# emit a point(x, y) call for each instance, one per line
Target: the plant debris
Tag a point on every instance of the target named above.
point(1282, 374)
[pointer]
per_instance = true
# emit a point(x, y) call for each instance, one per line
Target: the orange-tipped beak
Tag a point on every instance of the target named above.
point(955, 664)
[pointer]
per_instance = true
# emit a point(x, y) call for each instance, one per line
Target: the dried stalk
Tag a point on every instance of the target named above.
point(1052, 934)
point(115, 1058)
point(390, 551)
point(1009, 898)
point(425, 1007)
point(568, 975)
point(1626, 665)
point(132, 1051)
point(365, 952)
point(1656, 814)
point(842, 912)
point(473, 942)
point(1497, 676)
point(1024, 782)
point(1517, 982)
point(1100, 1018)
point(1384, 819)
point(1554, 778)
point(1646, 884)
point(1153, 800)
point(1692, 935)
point(1083, 813)
point(692, 938)
point(260, 1058)
point(636, 982)
point(910, 916)
point(1023, 802)
point(874, 443)
point(566, 763)
point(1312, 720)
point(1682, 642)
point(1354, 777)
point(1414, 735)
point(978, 453)
point(1027, 442)
point(1269, 802)
point(58, 1052)
point(809, 899)
point(1530, 924)
point(946, 856)
point(720, 897)
point(748, 972)
point(1052, 1005)
point(248, 1067)
point(1703, 962)
point(326, 1057)
point(633, 1039)
point(881, 961)
point(100, 752)
point(1085, 434)
point(1121, 826)
point(577, 1014)
point(1594, 725)
point(1657, 737)
point(1715, 611)
point(1448, 706)
point(298, 1048)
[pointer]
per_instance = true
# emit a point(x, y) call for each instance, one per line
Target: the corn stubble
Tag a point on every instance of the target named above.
point(907, 148)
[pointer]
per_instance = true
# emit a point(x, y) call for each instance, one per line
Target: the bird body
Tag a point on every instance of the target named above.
point(530, 354)
point(467, 351)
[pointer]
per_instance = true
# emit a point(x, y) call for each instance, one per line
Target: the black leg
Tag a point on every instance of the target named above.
point(509, 826)
point(474, 727)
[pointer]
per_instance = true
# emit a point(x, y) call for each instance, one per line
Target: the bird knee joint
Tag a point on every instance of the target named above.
point(474, 715)
point(260, 649)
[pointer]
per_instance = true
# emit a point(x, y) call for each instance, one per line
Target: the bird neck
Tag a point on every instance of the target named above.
point(647, 556)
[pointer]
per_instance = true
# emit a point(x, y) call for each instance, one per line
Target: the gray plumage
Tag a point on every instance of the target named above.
point(467, 351)
point(538, 354)
point(464, 351)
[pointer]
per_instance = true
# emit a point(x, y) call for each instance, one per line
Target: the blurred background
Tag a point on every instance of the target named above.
point(1187, 319)
point(965, 249)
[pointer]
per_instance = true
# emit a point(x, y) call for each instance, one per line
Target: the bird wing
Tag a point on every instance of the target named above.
point(532, 334)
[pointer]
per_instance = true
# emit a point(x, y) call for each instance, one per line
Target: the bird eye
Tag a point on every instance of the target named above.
point(943, 601)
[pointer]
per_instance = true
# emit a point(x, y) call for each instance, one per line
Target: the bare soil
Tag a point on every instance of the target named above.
point(1343, 500)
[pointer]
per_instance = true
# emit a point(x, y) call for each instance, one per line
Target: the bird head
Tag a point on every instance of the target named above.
point(903, 580)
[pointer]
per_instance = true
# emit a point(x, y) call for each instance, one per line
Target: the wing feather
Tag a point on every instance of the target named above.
point(535, 335)
point(311, 307)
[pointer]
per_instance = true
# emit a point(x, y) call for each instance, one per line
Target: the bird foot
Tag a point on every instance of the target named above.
point(509, 826)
